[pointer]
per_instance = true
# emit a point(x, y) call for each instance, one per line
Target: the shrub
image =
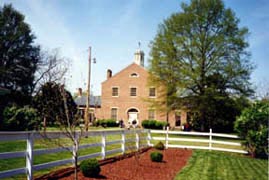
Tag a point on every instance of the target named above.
point(21, 119)
point(90, 167)
point(106, 123)
point(159, 146)
point(252, 126)
point(153, 124)
point(111, 123)
point(156, 156)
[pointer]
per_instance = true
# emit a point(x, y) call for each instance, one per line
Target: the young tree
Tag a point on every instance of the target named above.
point(62, 110)
point(193, 46)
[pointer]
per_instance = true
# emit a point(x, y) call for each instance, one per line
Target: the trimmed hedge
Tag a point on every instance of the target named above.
point(106, 123)
point(90, 167)
point(154, 124)
point(156, 156)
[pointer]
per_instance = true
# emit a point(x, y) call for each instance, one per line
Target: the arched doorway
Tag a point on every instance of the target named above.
point(133, 116)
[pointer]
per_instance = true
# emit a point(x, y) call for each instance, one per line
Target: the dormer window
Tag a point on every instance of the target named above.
point(134, 75)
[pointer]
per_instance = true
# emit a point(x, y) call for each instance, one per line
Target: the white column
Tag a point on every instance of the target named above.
point(123, 141)
point(103, 145)
point(29, 156)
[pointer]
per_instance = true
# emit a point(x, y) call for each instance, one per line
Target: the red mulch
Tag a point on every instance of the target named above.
point(137, 167)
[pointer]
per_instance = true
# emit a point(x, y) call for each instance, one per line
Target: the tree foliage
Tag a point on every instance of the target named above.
point(200, 55)
point(50, 104)
point(18, 58)
point(18, 54)
point(252, 126)
point(20, 119)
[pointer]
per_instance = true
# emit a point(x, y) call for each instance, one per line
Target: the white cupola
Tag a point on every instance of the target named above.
point(139, 57)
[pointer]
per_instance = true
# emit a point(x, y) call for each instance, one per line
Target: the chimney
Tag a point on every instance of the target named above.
point(79, 92)
point(108, 74)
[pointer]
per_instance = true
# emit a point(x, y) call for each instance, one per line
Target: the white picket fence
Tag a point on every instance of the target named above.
point(141, 138)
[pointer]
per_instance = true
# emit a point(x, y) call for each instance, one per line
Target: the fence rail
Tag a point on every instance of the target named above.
point(210, 140)
point(135, 140)
point(29, 154)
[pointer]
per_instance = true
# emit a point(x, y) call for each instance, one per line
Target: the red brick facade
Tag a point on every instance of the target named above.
point(124, 97)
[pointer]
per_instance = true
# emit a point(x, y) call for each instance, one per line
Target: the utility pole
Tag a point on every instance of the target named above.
point(88, 94)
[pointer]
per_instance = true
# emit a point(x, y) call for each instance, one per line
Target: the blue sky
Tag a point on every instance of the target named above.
point(114, 28)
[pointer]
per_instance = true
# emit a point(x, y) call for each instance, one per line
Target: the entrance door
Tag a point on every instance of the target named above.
point(133, 117)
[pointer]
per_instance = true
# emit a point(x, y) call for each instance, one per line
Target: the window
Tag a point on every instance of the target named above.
point(115, 91)
point(133, 91)
point(177, 118)
point(151, 114)
point(152, 92)
point(114, 112)
point(134, 75)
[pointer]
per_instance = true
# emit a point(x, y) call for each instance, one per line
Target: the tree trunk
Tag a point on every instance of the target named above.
point(45, 124)
point(167, 118)
point(75, 159)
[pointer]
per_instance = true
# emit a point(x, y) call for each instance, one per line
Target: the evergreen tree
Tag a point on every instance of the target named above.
point(18, 55)
point(50, 105)
point(18, 58)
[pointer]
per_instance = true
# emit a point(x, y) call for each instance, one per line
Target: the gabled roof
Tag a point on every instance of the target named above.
point(131, 67)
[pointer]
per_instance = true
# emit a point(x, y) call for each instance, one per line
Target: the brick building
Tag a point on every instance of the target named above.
point(124, 96)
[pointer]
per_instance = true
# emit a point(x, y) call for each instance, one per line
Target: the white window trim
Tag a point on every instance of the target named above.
point(134, 76)
point(130, 91)
point(118, 91)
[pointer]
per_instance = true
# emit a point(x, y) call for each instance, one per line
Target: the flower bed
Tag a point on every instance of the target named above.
point(135, 166)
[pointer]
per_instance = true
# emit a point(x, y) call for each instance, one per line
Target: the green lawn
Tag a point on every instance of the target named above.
point(206, 165)
point(13, 163)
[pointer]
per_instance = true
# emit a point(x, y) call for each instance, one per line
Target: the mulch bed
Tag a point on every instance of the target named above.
point(133, 166)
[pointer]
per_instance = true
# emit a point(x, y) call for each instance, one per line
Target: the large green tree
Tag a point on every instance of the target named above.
point(200, 55)
point(18, 54)
point(18, 58)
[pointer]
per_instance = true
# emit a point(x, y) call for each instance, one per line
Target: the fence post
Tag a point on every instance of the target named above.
point(29, 156)
point(137, 140)
point(123, 141)
point(149, 138)
point(103, 145)
point(166, 137)
point(210, 139)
